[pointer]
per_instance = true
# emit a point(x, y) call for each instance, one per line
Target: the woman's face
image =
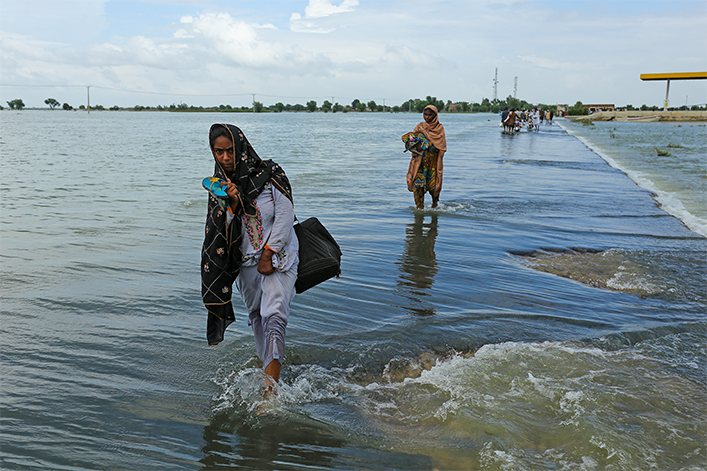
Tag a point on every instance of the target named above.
point(224, 153)
point(429, 115)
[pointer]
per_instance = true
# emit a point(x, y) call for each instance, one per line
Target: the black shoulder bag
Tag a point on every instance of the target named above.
point(319, 255)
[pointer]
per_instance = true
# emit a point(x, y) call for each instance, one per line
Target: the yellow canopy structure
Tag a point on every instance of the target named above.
point(673, 76)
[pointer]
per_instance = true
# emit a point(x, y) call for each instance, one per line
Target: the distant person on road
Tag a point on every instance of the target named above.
point(426, 168)
point(510, 121)
point(536, 119)
point(504, 115)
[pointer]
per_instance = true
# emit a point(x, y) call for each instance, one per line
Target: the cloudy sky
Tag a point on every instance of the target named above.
point(211, 52)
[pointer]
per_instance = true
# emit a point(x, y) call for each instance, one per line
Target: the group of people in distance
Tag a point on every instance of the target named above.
point(514, 121)
point(250, 241)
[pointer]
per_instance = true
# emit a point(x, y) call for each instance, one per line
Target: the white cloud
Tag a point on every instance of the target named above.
point(552, 64)
point(182, 34)
point(318, 9)
point(24, 48)
point(322, 8)
point(308, 27)
point(237, 43)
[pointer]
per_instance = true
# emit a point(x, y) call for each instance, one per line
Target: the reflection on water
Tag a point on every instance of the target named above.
point(233, 440)
point(418, 265)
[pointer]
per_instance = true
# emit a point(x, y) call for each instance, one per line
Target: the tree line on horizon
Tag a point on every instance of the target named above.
point(416, 105)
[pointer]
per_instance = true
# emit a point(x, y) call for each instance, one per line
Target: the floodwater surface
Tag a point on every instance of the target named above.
point(550, 314)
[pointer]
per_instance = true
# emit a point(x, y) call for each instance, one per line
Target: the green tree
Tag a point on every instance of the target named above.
point(52, 103)
point(354, 104)
point(257, 106)
point(67, 107)
point(326, 106)
point(577, 110)
point(312, 106)
point(372, 105)
point(361, 107)
point(408, 105)
point(432, 100)
point(420, 105)
point(513, 103)
point(279, 107)
point(17, 103)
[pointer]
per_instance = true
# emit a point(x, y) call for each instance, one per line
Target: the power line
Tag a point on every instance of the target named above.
point(190, 94)
point(45, 86)
point(170, 94)
point(123, 90)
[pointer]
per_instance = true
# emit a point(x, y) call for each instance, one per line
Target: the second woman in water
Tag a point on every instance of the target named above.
point(426, 168)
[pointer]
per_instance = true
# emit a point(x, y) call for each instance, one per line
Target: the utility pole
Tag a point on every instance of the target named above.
point(253, 102)
point(88, 99)
point(515, 88)
point(495, 86)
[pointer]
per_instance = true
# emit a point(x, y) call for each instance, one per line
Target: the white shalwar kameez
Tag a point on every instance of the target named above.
point(268, 298)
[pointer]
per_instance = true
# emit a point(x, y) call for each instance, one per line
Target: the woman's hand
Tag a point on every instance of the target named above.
point(232, 192)
point(265, 264)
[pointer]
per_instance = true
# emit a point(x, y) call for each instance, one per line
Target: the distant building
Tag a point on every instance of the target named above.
point(598, 108)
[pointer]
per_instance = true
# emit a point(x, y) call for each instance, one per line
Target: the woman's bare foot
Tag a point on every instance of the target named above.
point(272, 376)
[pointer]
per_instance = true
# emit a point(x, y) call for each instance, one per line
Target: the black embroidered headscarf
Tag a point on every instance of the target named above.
point(221, 252)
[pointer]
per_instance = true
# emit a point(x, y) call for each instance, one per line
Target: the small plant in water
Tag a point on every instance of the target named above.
point(586, 122)
point(662, 153)
point(675, 146)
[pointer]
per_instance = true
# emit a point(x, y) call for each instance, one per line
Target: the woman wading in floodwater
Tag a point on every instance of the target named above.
point(425, 172)
point(251, 243)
